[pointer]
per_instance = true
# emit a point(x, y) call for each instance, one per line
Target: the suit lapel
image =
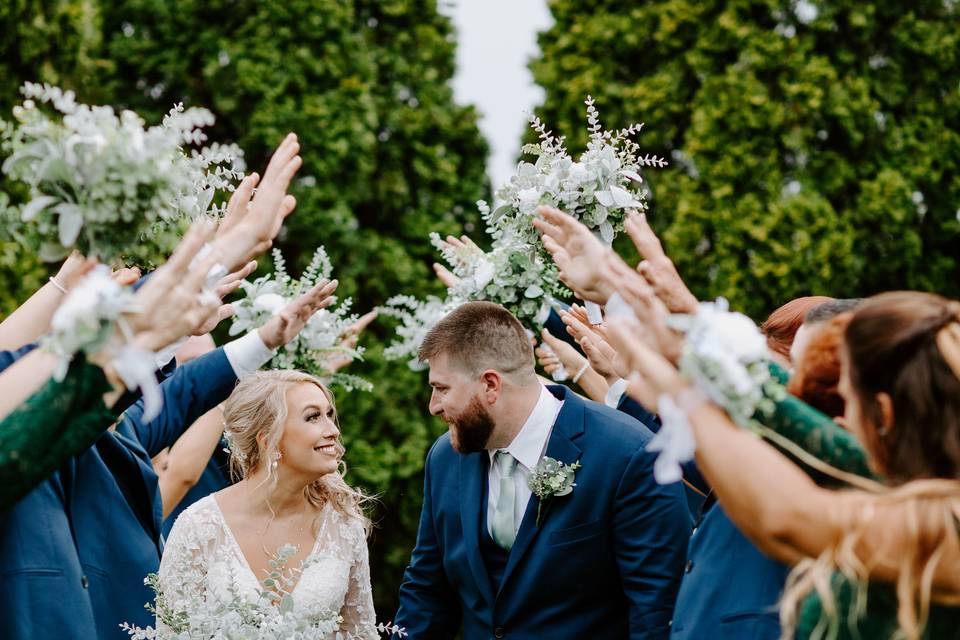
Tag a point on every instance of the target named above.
point(568, 426)
point(473, 473)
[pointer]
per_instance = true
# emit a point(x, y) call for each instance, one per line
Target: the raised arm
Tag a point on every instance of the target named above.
point(59, 421)
point(188, 458)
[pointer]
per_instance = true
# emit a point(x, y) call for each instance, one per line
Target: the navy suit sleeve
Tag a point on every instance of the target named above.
point(7, 358)
point(190, 392)
point(636, 410)
point(651, 530)
point(429, 608)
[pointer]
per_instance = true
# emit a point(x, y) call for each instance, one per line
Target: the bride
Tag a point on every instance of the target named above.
point(282, 427)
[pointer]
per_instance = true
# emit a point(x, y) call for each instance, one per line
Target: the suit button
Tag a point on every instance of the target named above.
point(689, 566)
point(499, 633)
point(84, 582)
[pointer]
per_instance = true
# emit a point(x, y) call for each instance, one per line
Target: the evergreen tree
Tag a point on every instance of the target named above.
point(815, 144)
point(388, 157)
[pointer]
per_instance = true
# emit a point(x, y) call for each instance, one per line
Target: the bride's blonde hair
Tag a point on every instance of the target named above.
point(259, 405)
point(905, 345)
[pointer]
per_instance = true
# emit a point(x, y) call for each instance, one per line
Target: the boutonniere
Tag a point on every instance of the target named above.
point(551, 478)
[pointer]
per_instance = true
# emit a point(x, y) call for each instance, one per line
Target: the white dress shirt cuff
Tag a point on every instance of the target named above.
point(247, 354)
point(615, 393)
point(165, 355)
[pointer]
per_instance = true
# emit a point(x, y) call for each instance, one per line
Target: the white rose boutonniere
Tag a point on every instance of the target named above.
point(551, 479)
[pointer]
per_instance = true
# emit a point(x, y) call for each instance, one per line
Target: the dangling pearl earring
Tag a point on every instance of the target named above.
point(276, 460)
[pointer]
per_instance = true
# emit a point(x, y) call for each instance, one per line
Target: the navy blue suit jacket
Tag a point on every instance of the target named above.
point(605, 561)
point(730, 589)
point(74, 552)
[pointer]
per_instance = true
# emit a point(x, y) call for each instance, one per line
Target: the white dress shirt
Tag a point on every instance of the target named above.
point(247, 354)
point(528, 448)
point(615, 393)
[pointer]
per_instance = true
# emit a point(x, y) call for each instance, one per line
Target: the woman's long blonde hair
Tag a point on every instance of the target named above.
point(259, 405)
point(905, 345)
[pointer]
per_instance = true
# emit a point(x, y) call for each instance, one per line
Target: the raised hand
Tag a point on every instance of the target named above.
point(580, 256)
point(284, 327)
point(602, 357)
point(657, 269)
point(227, 285)
point(251, 229)
point(560, 354)
point(445, 276)
point(651, 374)
point(349, 340)
point(237, 207)
point(172, 303)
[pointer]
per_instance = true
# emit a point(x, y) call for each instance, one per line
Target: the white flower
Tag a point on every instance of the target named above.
point(320, 339)
point(528, 200)
point(725, 357)
point(485, 271)
point(102, 182)
point(95, 297)
point(674, 441)
point(272, 303)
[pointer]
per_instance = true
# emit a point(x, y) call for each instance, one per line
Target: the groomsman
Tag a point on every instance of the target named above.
point(599, 559)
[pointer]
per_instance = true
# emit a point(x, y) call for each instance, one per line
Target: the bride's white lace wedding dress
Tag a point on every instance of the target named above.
point(203, 566)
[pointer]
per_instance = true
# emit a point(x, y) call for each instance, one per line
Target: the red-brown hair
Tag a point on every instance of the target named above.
point(782, 325)
point(816, 375)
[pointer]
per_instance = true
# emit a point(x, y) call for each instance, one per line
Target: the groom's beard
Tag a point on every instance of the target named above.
point(470, 431)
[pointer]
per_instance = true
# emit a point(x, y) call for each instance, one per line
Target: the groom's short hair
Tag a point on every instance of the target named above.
point(480, 336)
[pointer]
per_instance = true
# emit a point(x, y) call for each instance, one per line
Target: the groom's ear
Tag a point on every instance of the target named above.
point(492, 385)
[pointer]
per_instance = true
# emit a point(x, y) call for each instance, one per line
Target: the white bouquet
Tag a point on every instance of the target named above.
point(103, 183)
point(726, 358)
point(320, 341)
point(88, 321)
point(597, 189)
point(512, 274)
point(416, 319)
point(270, 616)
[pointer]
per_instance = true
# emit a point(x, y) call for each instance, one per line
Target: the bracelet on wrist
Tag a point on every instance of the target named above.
point(583, 369)
point(56, 284)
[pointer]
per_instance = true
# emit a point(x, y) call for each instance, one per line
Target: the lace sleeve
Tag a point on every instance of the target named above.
point(181, 582)
point(359, 618)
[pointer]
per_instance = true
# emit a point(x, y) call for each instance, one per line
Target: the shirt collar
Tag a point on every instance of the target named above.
point(530, 443)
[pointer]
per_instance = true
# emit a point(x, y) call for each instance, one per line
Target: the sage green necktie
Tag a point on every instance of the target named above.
point(503, 527)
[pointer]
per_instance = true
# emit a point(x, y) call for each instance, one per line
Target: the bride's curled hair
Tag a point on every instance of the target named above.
point(259, 405)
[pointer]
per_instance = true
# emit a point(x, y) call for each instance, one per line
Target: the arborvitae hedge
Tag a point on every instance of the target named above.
point(388, 157)
point(816, 143)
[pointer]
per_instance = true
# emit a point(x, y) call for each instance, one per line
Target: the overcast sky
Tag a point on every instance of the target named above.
point(496, 39)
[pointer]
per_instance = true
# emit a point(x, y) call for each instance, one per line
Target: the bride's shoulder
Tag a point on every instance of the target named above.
point(200, 521)
point(348, 526)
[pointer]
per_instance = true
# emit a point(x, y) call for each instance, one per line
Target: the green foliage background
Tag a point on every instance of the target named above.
point(388, 157)
point(798, 149)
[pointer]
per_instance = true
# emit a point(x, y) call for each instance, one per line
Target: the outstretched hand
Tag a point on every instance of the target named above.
point(657, 269)
point(251, 226)
point(602, 357)
point(286, 325)
point(580, 255)
point(172, 303)
point(349, 340)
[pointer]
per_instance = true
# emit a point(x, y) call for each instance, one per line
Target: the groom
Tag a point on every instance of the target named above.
point(602, 562)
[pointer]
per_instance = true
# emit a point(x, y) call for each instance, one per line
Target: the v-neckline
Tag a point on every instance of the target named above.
point(243, 557)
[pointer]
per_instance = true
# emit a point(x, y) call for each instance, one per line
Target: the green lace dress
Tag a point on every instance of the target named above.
point(820, 436)
point(60, 420)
